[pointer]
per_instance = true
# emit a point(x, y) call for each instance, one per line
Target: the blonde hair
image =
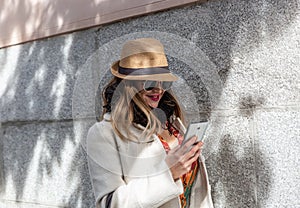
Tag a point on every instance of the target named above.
point(128, 108)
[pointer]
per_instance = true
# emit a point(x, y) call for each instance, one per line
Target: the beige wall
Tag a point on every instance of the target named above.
point(26, 20)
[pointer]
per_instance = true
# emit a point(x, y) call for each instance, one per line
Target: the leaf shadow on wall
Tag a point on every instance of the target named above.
point(234, 178)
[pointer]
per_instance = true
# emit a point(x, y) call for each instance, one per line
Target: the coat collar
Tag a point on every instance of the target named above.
point(136, 129)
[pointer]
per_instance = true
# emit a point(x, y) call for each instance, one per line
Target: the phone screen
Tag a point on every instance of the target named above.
point(196, 129)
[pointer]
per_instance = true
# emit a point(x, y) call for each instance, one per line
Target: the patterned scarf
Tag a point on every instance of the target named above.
point(187, 179)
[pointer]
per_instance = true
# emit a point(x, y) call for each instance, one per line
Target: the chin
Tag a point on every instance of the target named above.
point(153, 104)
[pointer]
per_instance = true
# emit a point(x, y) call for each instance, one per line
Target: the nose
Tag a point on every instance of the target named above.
point(159, 84)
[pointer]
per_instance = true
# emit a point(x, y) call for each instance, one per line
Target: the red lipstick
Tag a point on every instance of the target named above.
point(154, 98)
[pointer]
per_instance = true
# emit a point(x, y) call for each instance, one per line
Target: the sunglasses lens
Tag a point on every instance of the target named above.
point(166, 85)
point(149, 85)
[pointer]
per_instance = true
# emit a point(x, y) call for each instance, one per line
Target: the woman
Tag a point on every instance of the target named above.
point(135, 154)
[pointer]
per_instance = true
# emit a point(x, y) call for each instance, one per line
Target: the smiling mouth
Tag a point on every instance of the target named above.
point(153, 97)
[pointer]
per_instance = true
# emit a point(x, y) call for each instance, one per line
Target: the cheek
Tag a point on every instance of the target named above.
point(143, 96)
point(146, 99)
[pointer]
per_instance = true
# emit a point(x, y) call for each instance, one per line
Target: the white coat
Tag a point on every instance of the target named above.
point(147, 181)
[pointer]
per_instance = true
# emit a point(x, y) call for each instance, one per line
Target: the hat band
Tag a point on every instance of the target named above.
point(144, 71)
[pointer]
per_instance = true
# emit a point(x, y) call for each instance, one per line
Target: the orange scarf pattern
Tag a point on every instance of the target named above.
point(188, 178)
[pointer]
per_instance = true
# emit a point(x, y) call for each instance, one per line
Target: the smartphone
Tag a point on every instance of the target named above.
point(196, 129)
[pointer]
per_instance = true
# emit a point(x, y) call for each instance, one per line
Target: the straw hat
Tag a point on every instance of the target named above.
point(143, 59)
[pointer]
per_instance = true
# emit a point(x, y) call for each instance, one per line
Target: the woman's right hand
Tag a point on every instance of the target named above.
point(180, 160)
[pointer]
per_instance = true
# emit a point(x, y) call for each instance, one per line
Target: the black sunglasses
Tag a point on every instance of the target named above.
point(150, 85)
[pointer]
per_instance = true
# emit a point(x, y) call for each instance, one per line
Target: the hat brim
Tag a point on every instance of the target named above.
point(156, 77)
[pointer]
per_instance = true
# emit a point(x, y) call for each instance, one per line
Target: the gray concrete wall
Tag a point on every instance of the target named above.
point(238, 63)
